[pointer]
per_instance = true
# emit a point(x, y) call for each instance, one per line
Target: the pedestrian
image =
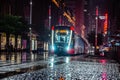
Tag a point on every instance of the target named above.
point(6, 47)
point(11, 47)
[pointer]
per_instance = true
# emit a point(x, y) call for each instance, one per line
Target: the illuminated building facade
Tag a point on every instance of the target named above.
point(15, 8)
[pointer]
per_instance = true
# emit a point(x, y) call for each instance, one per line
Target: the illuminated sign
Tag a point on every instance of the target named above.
point(106, 23)
point(61, 31)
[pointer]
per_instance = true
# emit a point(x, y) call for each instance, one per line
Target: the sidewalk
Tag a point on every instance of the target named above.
point(17, 62)
point(8, 69)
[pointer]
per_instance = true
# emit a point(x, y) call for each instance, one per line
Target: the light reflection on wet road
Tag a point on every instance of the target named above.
point(41, 66)
point(18, 58)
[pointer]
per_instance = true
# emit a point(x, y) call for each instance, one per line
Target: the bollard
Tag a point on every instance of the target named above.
point(61, 78)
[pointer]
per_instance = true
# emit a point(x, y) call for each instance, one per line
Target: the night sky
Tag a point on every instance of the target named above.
point(40, 14)
point(40, 11)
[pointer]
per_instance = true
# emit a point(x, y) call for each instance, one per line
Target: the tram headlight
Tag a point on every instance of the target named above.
point(53, 48)
point(67, 48)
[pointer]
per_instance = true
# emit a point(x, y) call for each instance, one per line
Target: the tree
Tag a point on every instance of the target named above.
point(91, 38)
point(100, 39)
point(12, 24)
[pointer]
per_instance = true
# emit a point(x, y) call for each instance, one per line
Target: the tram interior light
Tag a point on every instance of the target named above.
point(53, 48)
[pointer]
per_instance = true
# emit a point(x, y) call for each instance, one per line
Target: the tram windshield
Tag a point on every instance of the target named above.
point(62, 36)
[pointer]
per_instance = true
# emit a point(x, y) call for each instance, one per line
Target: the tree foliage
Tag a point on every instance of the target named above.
point(91, 38)
point(12, 24)
point(44, 36)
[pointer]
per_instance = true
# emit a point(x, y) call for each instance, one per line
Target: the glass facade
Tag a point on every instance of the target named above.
point(24, 44)
point(19, 42)
point(12, 40)
point(3, 41)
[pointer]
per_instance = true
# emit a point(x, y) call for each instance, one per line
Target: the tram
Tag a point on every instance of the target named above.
point(62, 40)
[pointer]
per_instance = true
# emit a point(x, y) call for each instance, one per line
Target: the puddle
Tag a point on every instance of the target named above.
point(58, 63)
point(20, 71)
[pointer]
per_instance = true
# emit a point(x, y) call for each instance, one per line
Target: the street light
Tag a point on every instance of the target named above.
point(49, 16)
point(96, 29)
point(30, 29)
point(30, 32)
point(30, 12)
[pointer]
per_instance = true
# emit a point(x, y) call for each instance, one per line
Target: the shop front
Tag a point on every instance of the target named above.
point(19, 42)
point(3, 41)
point(34, 43)
point(12, 42)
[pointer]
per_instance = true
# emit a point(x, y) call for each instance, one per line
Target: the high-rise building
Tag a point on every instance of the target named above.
point(76, 7)
point(15, 8)
point(12, 7)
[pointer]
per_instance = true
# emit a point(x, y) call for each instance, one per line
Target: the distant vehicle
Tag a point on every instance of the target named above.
point(62, 40)
point(104, 50)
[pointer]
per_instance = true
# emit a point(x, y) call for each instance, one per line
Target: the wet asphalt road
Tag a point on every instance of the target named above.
point(44, 66)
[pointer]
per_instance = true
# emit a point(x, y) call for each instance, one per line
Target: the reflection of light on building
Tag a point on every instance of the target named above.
point(69, 18)
point(56, 3)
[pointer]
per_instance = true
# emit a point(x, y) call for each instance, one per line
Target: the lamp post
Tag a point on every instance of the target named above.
point(30, 32)
point(96, 29)
point(30, 29)
point(49, 16)
point(30, 11)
